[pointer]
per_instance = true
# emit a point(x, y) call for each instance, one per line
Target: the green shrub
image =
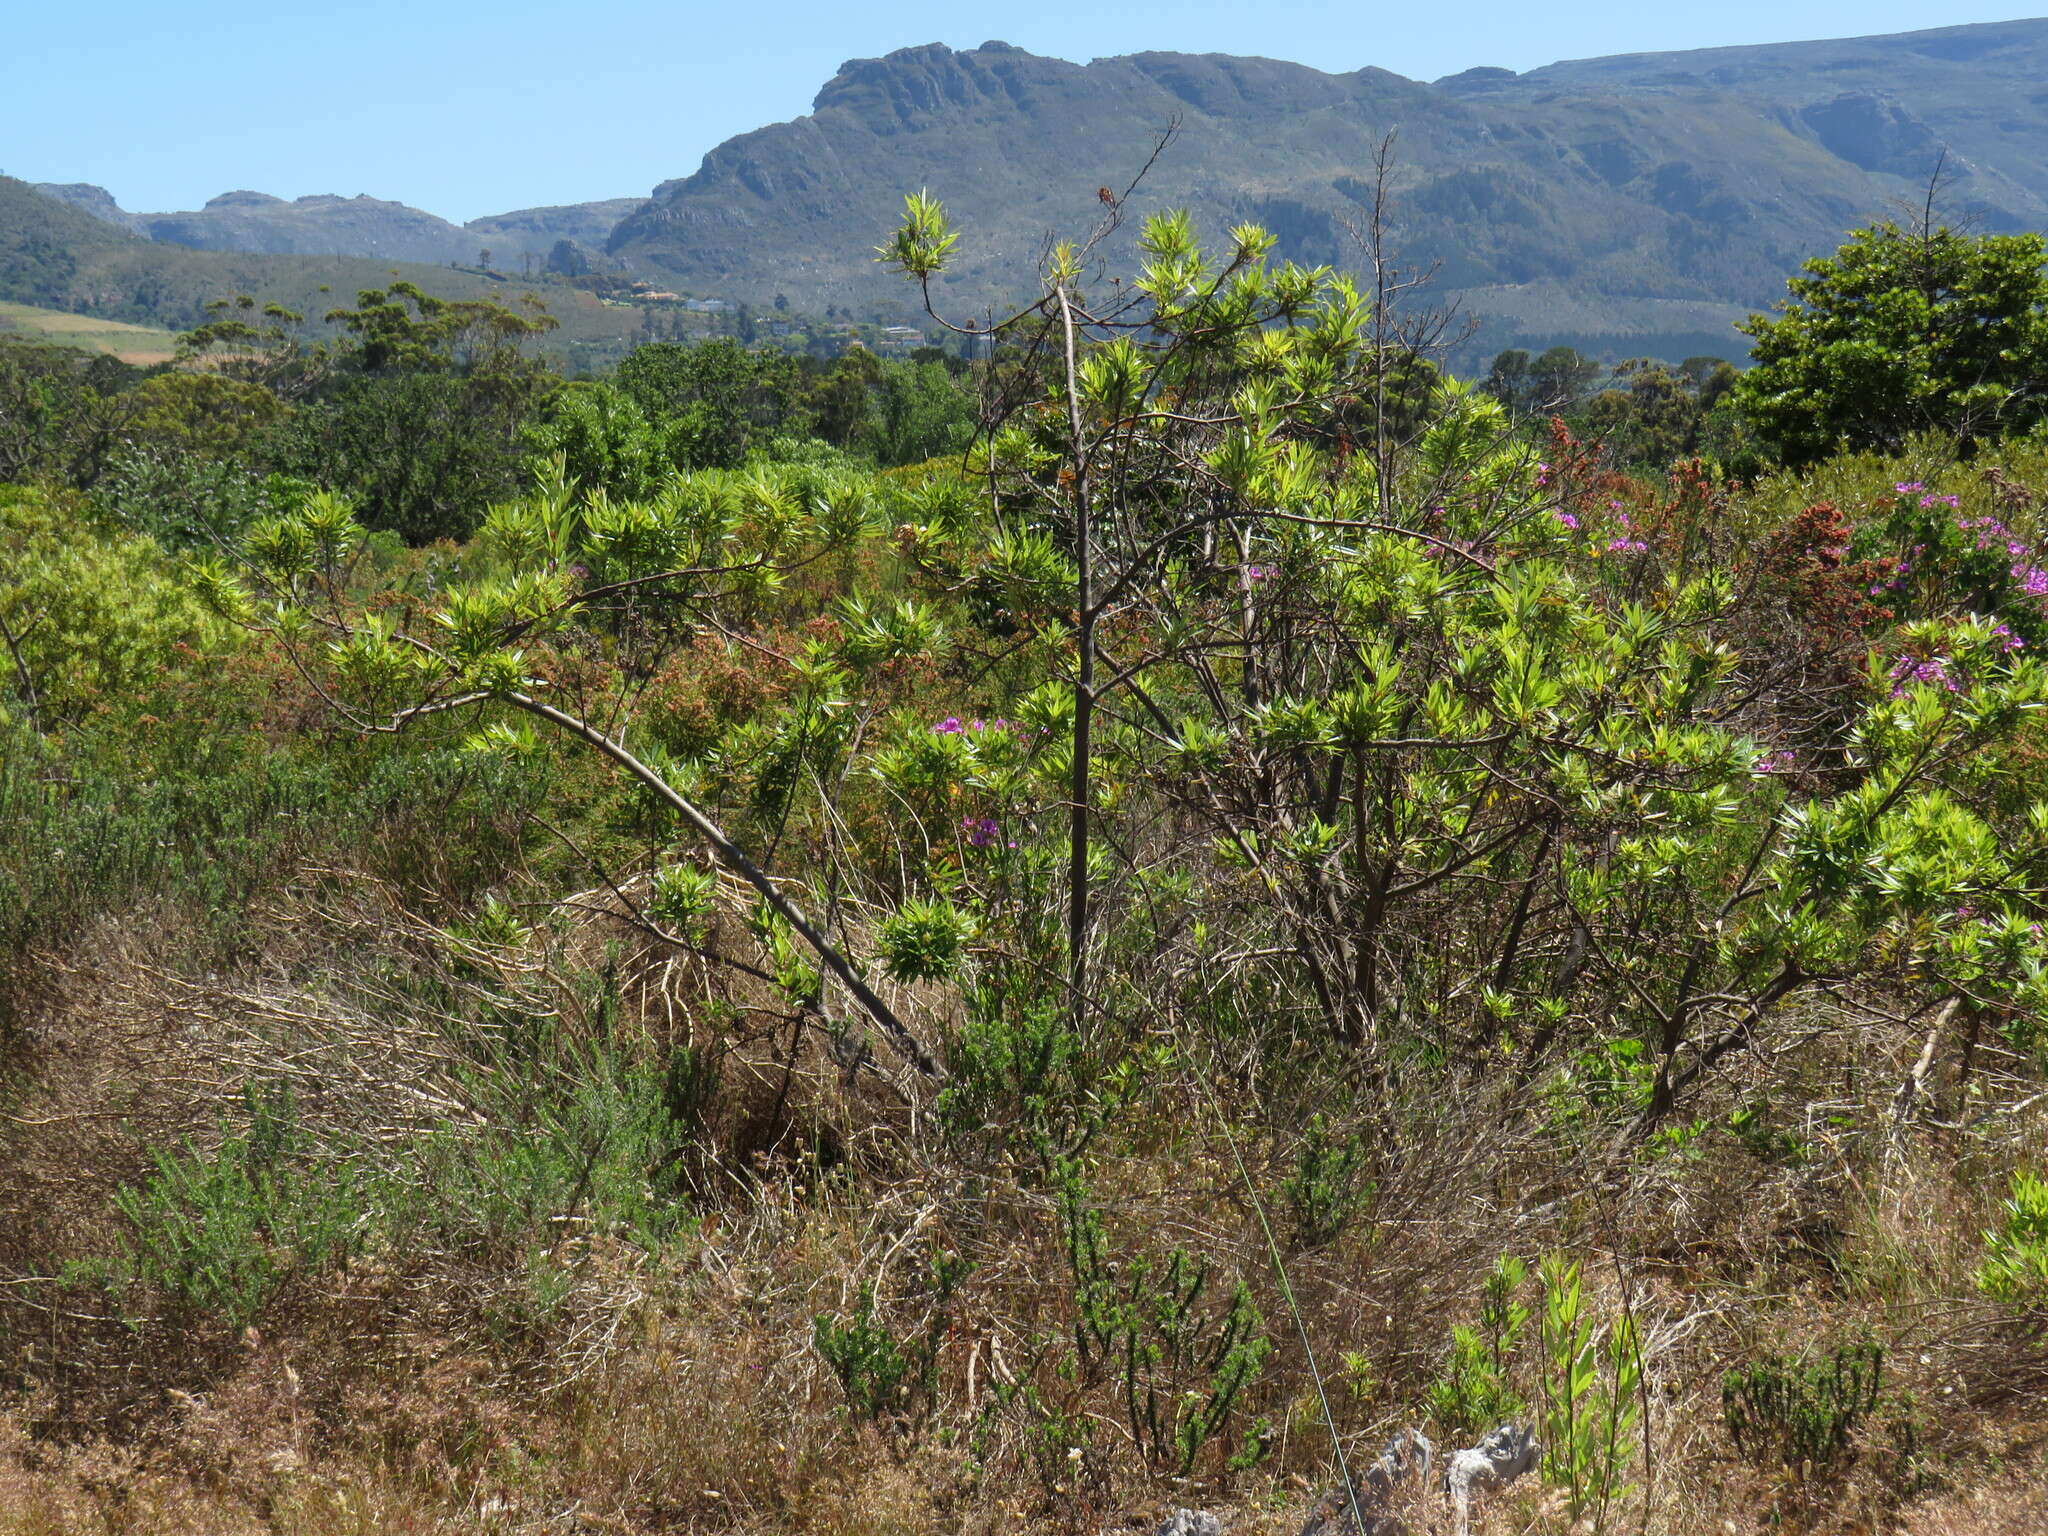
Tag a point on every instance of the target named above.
point(223, 1231)
point(925, 940)
point(2015, 1267)
point(1591, 1411)
point(1473, 1393)
point(883, 1377)
point(1800, 1413)
point(576, 1142)
point(1329, 1186)
point(1182, 1354)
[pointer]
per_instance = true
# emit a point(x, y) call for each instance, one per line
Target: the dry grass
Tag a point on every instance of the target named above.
point(684, 1392)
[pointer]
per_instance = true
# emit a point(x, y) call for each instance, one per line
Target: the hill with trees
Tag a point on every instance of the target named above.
point(521, 241)
point(55, 255)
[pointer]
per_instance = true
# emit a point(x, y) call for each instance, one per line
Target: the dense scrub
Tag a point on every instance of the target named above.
point(1261, 904)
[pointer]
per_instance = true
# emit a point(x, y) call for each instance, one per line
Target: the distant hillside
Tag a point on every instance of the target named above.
point(1632, 204)
point(130, 343)
point(314, 226)
point(87, 198)
point(586, 226)
point(56, 256)
point(326, 225)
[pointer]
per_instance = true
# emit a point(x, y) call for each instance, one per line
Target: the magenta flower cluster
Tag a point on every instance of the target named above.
point(1994, 535)
point(981, 831)
point(1901, 569)
point(952, 726)
point(1781, 761)
point(1928, 498)
point(1627, 543)
point(1935, 669)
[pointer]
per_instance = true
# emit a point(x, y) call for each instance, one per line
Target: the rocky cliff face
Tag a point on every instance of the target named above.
point(1656, 196)
point(321, 225)
point(87, 198)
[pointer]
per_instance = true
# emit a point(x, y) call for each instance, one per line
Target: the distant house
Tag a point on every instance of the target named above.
point(907, 337)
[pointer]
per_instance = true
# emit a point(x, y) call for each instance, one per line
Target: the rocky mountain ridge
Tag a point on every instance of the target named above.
point(327, 224)
point(1638, 203)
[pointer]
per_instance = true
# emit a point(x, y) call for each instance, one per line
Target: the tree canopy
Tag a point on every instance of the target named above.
point(1903, 330)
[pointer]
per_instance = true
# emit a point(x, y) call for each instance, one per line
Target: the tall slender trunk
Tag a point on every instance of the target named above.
point(1079, 790)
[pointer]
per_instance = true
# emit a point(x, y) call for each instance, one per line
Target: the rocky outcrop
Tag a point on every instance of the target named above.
point(87, 198)
point(1698, 179)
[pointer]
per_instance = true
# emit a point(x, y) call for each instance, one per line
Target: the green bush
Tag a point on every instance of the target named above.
point(1474, 1392)
point(925, 940)
point(1800, 1413)
point(224, 1231)
point(2015, 1267)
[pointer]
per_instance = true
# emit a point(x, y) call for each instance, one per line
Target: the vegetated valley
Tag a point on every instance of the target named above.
point(1117, 925)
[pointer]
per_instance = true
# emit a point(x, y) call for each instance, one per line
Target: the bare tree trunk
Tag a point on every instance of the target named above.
point(1079, 790)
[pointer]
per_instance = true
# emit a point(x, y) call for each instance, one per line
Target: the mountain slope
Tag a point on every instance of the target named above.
point(313, 226)
point(1888, 105)
point(586, 225)
point(1649, 200)
point(56, 256)
point(325, 225)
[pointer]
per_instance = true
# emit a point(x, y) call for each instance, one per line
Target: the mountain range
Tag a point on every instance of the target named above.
point(330, 225)
point(1632, 204)
point(56, 255)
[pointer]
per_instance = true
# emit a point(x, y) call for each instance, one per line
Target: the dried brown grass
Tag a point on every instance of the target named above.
point(686, 1394)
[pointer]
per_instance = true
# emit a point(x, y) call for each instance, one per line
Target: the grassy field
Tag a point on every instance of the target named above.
point(130, 343)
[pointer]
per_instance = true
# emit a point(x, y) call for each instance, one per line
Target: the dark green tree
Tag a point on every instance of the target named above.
point(843, 401)
point(1508, 379)
point(1560, 378)
point(422, 415)
point(1903, 330)
point(920, 414)
point(716, 402)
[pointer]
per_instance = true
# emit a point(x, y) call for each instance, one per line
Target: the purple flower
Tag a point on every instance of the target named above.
point(1775, 762)
point(1935, 669)
point(1626, 546)
point(1908, 487)
point(981, 830)
point(1566, 519)
point(1260, 572)
point(950, 726)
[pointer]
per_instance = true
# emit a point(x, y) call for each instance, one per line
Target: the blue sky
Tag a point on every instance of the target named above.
point(465, 109)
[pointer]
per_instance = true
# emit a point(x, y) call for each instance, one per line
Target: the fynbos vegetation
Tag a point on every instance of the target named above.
point(998, 940)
